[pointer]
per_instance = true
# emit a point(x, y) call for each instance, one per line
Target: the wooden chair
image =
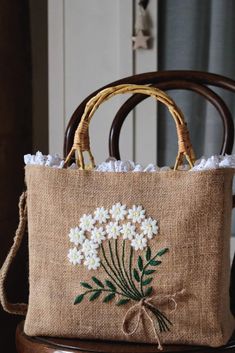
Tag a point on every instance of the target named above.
point(165, 80)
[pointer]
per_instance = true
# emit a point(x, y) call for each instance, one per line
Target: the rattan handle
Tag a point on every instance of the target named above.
point(81, 138)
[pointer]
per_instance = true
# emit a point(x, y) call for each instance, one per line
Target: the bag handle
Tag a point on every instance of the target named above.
point(81, 141)
point(17, 308)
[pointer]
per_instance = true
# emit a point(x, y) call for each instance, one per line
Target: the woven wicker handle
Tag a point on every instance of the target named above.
point(82, 141)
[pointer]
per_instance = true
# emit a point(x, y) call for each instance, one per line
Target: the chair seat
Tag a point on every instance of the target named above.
point(26, 344)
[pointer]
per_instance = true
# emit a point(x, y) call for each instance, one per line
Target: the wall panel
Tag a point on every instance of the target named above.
point(90, 45)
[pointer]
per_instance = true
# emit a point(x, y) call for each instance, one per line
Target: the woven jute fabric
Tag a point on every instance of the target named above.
point(194, 214)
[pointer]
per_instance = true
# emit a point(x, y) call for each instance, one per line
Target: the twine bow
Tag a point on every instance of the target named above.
point(146, 306)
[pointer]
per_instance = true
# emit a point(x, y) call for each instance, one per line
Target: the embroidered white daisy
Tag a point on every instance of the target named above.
point(113, 230)
point(87, 222)
point(89, 248)
point(75, 256)
point(128, 231)
point(139, 242)
point(118, 211)
point(92, 262)
point(101, 215)
point(97, 235)
point(76, 235)
point(149, 227)
point(136, 214)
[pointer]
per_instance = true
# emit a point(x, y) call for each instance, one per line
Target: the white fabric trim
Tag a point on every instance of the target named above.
point(112, 165)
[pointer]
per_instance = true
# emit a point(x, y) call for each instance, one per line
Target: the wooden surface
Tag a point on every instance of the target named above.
point(27, 344)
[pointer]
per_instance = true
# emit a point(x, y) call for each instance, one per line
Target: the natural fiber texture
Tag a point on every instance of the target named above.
point(144, 305)
point(194, 215)
point(82, 139)
point(18, 308)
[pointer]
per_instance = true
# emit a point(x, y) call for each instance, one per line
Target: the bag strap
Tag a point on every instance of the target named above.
point(16, 308)
point(82, 140)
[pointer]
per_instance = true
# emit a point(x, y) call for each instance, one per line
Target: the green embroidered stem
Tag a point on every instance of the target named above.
point(115, 266)
point(142, 274)
point(162, 320)
point(123, 272)
point(117, 281)
point(119, 270)
point(114, 280)
point(118, 261)
point(126, 273)
point(104, 290)
point(130, 268)
point(162, 324)
point(110, 267)
point(163, 316)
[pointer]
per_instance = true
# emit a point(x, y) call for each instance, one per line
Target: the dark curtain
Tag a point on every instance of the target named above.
point(196, 35)
point(15, 141)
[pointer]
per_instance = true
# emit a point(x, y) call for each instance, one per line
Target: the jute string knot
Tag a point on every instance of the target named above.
point(146, 306)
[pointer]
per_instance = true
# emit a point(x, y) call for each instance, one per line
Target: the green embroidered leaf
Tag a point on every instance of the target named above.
point(123, 302)
point(79, 299)
point(148, 291)
point(162, 252)
point(109, 297)
point(140, 263)
point(136, 275)
point(110, 285)
point(95, 295)
point(148, 272)
point(86, 285)
point(97, 281)
point(154, 262)
point(147, 281)
point(148, 254)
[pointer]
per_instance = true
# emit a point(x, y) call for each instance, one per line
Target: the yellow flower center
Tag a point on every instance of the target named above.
point(92, 261)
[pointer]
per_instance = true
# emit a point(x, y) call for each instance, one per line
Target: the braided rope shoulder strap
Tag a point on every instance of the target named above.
point(16, 308)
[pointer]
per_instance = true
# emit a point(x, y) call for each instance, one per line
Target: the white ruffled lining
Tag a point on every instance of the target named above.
point(111, 165)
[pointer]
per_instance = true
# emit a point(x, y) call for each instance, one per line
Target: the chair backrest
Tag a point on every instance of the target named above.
point(196, 81)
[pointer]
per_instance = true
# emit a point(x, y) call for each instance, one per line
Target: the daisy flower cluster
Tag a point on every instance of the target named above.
point(118, 222)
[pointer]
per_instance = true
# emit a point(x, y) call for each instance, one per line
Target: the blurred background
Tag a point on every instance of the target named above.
point(55, 52)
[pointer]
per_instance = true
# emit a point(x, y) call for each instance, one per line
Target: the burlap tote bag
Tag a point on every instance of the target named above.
point(140, 257)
